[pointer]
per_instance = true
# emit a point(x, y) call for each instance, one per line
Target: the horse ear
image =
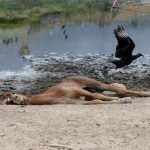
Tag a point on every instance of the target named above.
point(7, 94)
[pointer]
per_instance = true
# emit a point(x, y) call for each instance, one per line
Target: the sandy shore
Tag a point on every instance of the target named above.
point(45, 71)
point(75, 127)
point(94, 127)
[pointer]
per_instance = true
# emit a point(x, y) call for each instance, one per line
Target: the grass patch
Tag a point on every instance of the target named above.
point(18, 12)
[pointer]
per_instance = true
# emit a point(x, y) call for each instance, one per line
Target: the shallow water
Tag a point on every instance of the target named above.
point(83, 38)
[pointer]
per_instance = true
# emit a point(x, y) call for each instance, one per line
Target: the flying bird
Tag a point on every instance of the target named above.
point(124, 48)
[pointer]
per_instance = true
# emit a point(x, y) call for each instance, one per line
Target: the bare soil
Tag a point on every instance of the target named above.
point(76, 127)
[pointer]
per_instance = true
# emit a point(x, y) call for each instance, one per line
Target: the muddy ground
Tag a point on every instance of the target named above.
point(49, 70)
point(75, 127)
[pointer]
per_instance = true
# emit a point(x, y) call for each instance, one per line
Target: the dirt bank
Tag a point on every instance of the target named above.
point(46, 71)
point(72, 127)
point(96, 127)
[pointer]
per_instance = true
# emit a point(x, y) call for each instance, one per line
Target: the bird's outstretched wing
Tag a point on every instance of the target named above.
point(125, 44)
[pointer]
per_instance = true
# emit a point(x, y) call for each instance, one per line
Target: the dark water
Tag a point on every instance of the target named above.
point(83, 38)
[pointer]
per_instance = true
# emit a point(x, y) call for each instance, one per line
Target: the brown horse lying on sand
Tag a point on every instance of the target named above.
point(70, 90)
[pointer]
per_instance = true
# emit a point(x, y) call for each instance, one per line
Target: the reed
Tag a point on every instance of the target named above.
point(19, 12)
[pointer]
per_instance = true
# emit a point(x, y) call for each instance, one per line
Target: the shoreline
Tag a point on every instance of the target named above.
point(46, 71)
point(86, 127)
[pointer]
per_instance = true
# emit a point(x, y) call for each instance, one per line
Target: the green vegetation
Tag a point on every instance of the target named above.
point(18, 12)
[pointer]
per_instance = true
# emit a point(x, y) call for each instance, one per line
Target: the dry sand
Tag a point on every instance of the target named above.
point(76, 127)
point(94, 127)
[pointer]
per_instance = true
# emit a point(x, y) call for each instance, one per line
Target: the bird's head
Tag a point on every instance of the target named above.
point(139, 55)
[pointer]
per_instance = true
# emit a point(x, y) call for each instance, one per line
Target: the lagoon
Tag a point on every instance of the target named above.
point(85, 37)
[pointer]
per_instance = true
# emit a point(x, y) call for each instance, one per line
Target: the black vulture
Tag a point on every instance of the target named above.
point(124, 48)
